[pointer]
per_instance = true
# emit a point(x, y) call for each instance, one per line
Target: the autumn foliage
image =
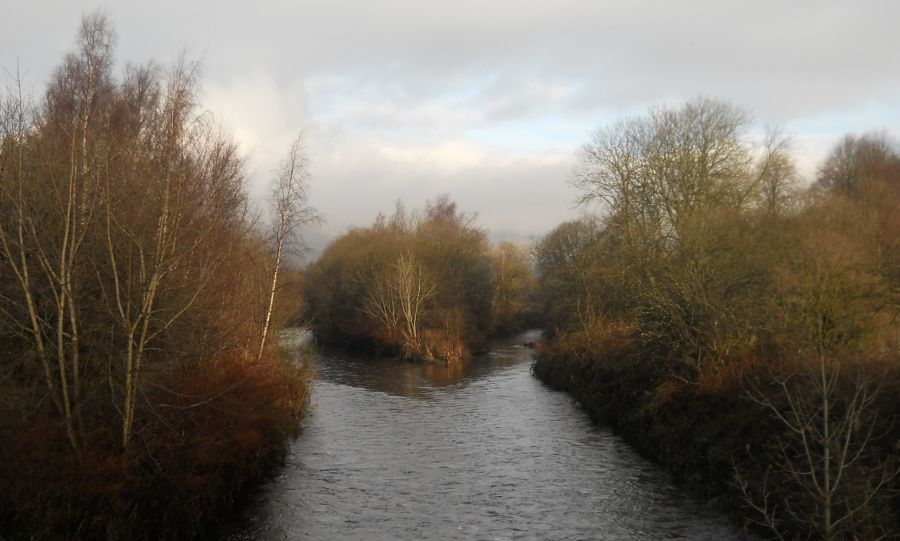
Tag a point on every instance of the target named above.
point(424, 286)
point(741, 329)
point(133, 294)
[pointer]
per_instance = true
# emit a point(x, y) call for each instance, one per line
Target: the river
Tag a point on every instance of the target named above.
point(392, 450)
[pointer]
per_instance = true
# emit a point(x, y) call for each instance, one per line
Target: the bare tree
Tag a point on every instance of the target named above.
point(15, 235)
point(675, 184)
point(823, 395)
point(54, 214)
point(382, 304)
point(172, 194)
point(856, 163)
point(397, 298)
point(291, 212)
point(775, 173)
point(827, 451)
point(654, 171)
point(413, 288)
point(124, 336)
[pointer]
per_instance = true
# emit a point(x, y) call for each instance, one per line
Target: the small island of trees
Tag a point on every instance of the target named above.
point(426, 286)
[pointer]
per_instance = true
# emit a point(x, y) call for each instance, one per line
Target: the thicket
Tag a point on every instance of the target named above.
point(741, 329)
point(424, 286)
point(134, 289)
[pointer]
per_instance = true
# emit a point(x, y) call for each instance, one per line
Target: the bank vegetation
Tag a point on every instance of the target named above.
point(737, 325)
point(138, 393)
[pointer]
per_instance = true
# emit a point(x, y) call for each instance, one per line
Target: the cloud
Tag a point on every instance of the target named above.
point(489, 101)
point(368, 174)
point(264, 119)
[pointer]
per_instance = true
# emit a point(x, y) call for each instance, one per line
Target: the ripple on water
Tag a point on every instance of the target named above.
point(483, 451)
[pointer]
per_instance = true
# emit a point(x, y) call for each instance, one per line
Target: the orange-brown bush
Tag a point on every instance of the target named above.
point(133, 294)
point(213, 429)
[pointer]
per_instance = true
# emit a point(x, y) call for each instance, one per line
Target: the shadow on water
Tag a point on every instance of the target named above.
point(482, 450)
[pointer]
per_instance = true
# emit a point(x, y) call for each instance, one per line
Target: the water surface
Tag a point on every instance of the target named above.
point(393, 450)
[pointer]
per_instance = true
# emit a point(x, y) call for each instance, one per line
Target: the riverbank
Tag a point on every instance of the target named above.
point(703, 434)
point(214, 431)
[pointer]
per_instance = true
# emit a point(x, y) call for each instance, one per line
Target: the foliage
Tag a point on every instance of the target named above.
point(513, 288)
point(133, 294)
point(428, 287)
point(734, 284)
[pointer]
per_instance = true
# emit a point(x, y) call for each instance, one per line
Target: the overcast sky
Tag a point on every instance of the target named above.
point(487, 101)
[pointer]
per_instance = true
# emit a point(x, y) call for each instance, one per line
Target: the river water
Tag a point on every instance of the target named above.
point(392, 450)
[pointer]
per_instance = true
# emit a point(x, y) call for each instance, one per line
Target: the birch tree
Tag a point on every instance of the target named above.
point(54, 200)
point(382, 304)
point(291, 212)
point(398, 296)
point(412, 288)
point(164, 253)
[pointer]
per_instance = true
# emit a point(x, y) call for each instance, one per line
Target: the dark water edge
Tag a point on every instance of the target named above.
point(483, 450)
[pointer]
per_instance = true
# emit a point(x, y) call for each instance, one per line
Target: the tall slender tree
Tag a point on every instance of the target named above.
point(291, 211)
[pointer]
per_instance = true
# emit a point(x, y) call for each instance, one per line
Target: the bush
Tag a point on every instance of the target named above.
point(425, 287)
point(214, 429)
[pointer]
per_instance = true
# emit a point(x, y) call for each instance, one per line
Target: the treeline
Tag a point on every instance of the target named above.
point(426, 286)
point(738, 327)
point(138, 393)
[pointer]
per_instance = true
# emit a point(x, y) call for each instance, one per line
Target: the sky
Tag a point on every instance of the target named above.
point(487, 101)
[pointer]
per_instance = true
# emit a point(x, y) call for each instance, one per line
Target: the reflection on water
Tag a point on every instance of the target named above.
point(413, 380)
point(477, 451)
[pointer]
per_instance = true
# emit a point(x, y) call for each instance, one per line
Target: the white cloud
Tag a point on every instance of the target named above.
point(264, 118)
